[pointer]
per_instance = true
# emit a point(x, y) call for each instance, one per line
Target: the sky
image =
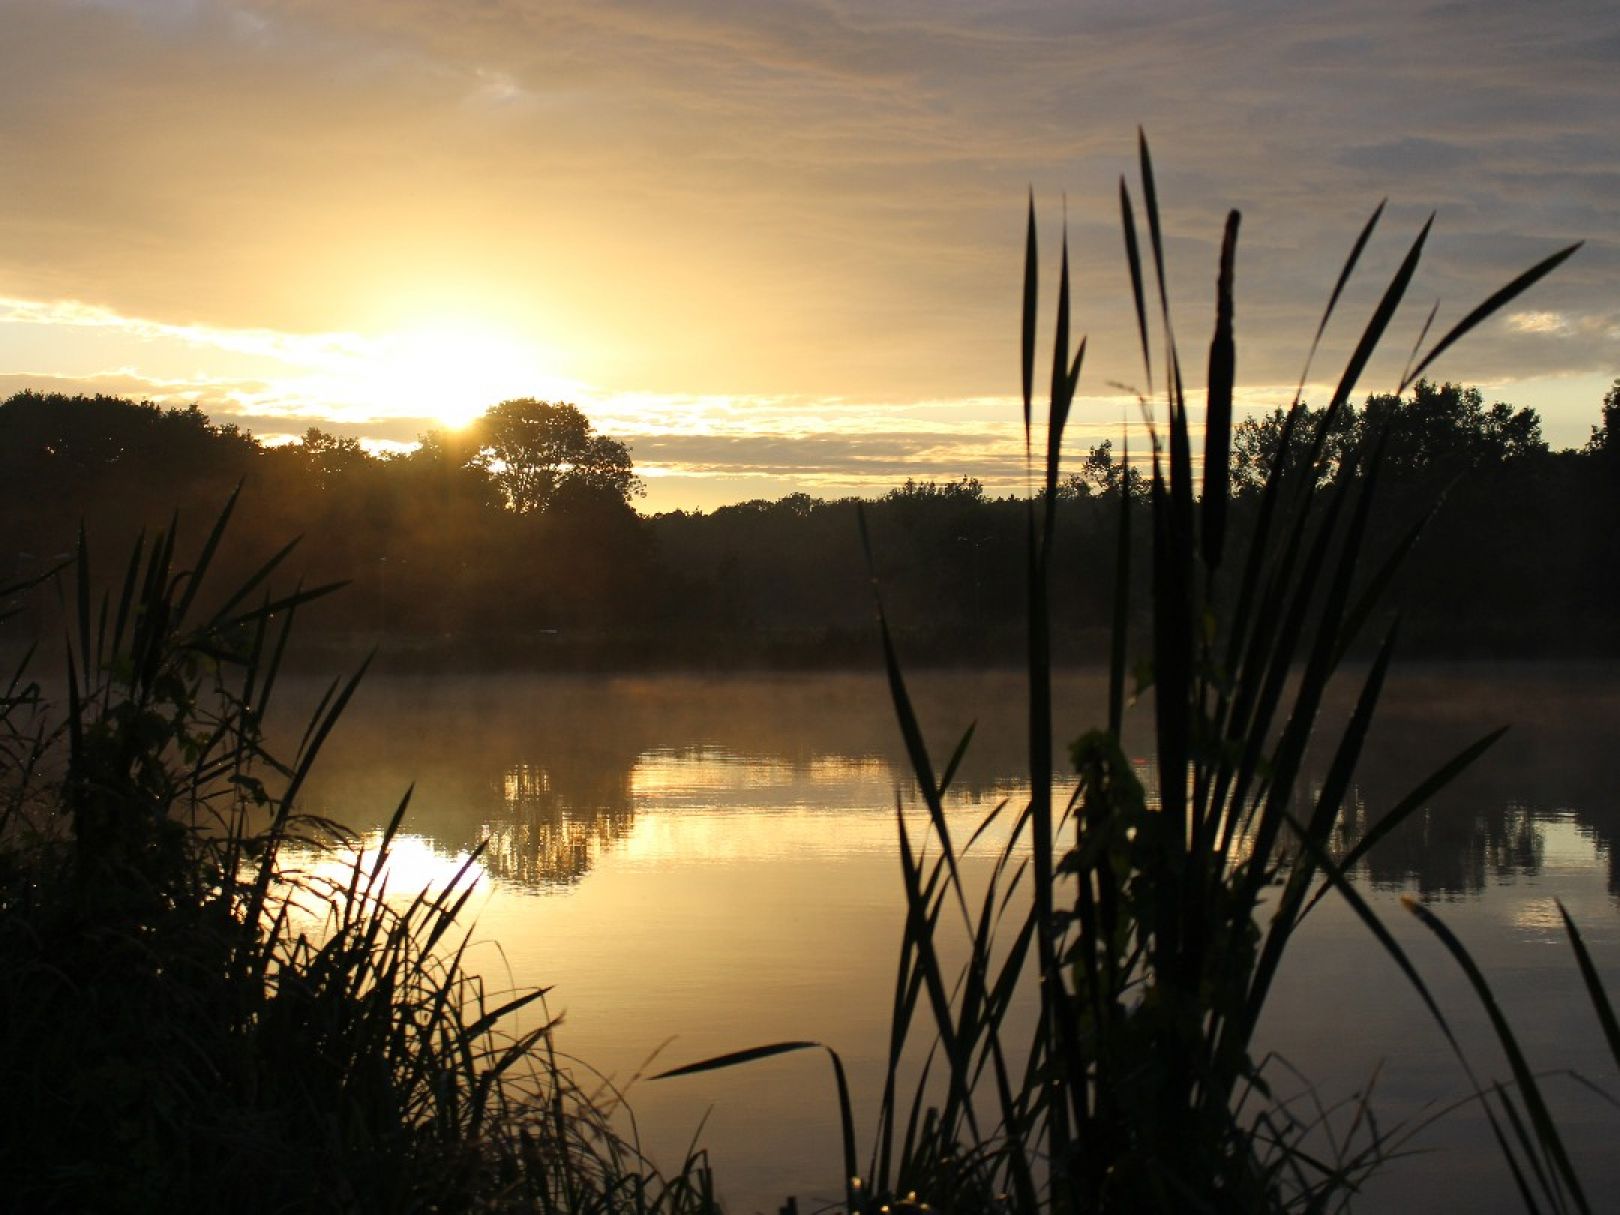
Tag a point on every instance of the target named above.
point(776, 245)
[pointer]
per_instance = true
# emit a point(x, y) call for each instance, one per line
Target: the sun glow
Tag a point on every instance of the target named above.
point(448, 372)
point(453, 372)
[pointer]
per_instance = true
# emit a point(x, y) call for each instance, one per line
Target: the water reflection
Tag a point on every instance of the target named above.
point(550, 774)
point(1450, 850)
point(554, 822)
point(1545, 797)
point(718, 860)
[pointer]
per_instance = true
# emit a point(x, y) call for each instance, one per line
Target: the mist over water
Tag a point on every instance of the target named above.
point(713, 862)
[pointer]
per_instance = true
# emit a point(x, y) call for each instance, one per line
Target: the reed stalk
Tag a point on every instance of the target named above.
point(188, 1021)
point(1153, 927)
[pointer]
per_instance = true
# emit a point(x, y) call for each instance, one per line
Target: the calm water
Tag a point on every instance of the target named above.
point(695, 866)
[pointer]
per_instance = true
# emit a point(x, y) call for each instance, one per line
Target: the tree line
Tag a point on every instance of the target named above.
point(516, 540)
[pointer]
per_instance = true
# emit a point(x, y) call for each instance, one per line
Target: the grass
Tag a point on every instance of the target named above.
point(1527, 1134)
point(1148, 932)
point(188, 1022)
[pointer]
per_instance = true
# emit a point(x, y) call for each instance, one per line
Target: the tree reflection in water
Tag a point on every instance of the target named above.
point(553, 772)
point(556, 821)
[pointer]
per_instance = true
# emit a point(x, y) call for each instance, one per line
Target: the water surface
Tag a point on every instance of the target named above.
point(698, 865)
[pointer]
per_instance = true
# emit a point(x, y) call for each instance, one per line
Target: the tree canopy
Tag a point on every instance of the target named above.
point(516, 537)
point(1441, 429)
point(1606, 435)
point(542, 454)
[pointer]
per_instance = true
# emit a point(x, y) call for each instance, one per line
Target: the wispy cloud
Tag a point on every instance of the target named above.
point(292, 349)
point(716, 199)
point(1538, 322)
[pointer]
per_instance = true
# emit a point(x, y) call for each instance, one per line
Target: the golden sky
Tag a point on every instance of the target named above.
point(774, 244)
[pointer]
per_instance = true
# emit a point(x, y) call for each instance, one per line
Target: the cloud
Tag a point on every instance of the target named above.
point(1538, 322)
point(260, 343)
point(806, 198)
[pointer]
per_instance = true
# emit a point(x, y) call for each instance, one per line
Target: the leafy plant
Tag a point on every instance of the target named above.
point(1520, 1117)
point(1155, 920)
point(186, 1018)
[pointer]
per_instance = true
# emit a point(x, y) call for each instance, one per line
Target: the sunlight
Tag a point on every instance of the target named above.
point(448, 371)
point(453, 372)
point(415, 864)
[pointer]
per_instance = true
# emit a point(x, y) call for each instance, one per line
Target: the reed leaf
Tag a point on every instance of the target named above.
point(1546, 1135)
point(1345, 272)
point(1218, 412)
point(1027, 326)
point(1419, 796)
point(1373, 334)
point(1133, 260)
point(1594, 985)
point(1492, 303)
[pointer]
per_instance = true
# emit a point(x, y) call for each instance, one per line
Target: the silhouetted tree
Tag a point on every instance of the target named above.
point(1606, 434)
point(517, 536)
point(1446, 428)
point(1101, 473)
point(331, 457)
point(536, 449)
point(1441, 429)
point(1257, 440)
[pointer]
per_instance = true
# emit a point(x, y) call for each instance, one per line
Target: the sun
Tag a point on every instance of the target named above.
point(452, 371)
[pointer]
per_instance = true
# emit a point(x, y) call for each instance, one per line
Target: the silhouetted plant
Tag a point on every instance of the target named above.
point(1152, 930)
point(187, 1019)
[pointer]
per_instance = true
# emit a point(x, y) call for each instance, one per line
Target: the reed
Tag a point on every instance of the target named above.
point(1149, 930)
point(187, 1019)
point(1527, 1133)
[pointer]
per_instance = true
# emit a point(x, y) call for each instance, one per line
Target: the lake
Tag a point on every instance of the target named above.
point(695, 865)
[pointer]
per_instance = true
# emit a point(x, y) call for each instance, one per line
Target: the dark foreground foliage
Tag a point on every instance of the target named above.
point(200, 1007)
point(1148, 932)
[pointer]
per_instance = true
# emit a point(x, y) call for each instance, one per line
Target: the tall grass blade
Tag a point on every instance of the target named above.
point(1150, 204)
point(1491, 304)
point(1594, 984)
point(81, 598)
point(1527, 1145)
point(1244, 628)
point(1290, 750)
point(1218, 413)
point(949, 774)
point(1546, 1130)
point(1334, 875)
point(1373, 593)
point(126, 597)
point(907, 988)
point(1133, 259)
point(1420, 795)
point(1038, 548)
point(1060, 381)
point(285, 603)
point(1333, 298)
point(922, 922)
point(206, 556)
point(1372, 335)
point(846, 1128)
point(1287, 916)
point(316, 739)
point(1120, 626)
point(277, 655)
point(255, 580)
point(1417, 345)
point(754, 1054)
point(1031, 302)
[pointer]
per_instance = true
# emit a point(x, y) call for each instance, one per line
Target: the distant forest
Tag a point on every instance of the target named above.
point(516, 542)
